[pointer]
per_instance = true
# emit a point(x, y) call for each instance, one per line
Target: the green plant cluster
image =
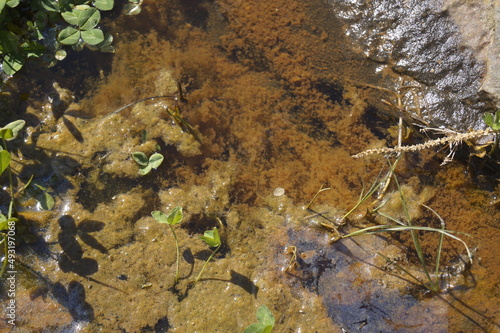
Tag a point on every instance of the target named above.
point(41, 28)
point(210, 237)
point(145, 163)
point(492, 120)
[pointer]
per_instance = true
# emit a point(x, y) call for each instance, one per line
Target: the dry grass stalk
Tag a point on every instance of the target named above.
point(451, 139)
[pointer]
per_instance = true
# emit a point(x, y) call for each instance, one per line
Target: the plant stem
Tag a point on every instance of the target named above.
point(178, 255)
point(205, 264)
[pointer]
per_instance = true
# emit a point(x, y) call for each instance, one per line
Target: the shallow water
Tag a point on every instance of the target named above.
point(277, 97)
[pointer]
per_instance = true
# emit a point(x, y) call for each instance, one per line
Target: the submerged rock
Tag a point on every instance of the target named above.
point(446, 47)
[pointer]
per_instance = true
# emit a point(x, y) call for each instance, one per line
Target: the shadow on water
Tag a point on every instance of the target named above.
point(72, 260)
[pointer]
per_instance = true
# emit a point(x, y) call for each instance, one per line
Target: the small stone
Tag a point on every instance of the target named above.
point(279, 191)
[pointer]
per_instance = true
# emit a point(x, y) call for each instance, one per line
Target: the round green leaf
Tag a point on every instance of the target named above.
point(175, 216)
point(93, 36)
point(89, 18)
point(60, 54)
point(145, 170)
point(155, 160)
point(140, 158)
point(104, 4)
point(69, 36)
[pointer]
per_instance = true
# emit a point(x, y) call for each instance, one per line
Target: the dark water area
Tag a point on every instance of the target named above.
point(279, 97)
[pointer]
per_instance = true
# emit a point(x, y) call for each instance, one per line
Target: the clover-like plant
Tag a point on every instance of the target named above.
point(265, 321)
point(145, 163)
point(40, 28)
point(492, 121)
point(212, 238)
point(173, 218)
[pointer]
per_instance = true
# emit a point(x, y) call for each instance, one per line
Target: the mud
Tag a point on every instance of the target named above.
point(274, 93)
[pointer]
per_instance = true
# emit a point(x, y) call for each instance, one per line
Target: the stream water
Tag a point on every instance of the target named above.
point(281, 99)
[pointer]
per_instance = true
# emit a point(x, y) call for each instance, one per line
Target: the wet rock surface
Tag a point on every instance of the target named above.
point(446, 49)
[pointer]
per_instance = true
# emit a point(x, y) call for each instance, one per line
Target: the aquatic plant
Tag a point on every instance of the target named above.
point(145, 163)
point(212, 238)
point(265, 321)
point(39, 29)
point(492, 120)
point(433, 280)
point(8, 223)
point(174, 217)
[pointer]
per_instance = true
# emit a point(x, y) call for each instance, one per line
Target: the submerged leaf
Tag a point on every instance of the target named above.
point(174, 216)
point(140, 158)
point(211, 237)
point(155, 160)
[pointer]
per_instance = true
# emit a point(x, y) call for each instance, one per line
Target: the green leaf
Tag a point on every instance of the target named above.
point(104, 4)
point(71, 17)
point(13, 3)
point(264, 316)
point(140, 158)
point(4, 160)
point(2, 4)
point(254, 328)
point(4, 222)
point(50, 5)
point(60, 54)
point(12, 63)
point(131, 9)
point(89, 18)
point(6, 133)
point(145, 170)
point(265, 322)
point(8, 42)
point(155, 160)
point(93, 36)
point(174, 216)
point(16, 126)
point(159, 216)
point(492, 121)
point(211, 237)
point(69, 36)
point(46, 201)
